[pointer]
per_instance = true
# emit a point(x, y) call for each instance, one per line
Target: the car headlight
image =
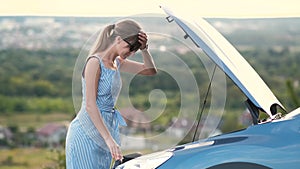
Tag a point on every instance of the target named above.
point(149, 161)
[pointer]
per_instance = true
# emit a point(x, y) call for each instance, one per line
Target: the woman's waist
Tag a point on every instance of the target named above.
point(105, 110)
point(101, 107)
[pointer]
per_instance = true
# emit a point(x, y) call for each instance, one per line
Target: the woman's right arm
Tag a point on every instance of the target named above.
point(92, 74)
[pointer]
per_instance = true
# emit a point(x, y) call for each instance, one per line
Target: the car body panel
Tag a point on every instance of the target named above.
point(274, 144)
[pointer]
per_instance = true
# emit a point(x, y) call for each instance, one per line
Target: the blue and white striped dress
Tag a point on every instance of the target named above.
point(85, 147)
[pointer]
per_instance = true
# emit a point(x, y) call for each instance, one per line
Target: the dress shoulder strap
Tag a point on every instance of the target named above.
point(92, 56)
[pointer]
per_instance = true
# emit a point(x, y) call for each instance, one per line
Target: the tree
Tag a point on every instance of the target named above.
point(292, 93)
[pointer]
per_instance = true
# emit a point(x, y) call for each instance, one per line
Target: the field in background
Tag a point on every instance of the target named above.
point(25, 121)
point(33, 158)
point(30, 158)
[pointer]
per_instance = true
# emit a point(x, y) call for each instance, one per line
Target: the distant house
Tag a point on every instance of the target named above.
point(5, 135)
point(52, 134)
point(136, 120)
point(246, 118)
point(180, 127)
point(137, 123)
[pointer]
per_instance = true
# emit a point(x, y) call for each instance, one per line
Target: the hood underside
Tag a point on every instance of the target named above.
point(222, 53)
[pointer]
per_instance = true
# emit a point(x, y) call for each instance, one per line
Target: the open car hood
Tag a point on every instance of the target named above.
point(229, 60)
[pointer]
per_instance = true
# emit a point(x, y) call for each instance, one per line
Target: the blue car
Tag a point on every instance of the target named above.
point(273, 143)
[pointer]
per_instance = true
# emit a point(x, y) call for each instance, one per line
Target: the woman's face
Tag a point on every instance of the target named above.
point(127, 49)
point(124, 50)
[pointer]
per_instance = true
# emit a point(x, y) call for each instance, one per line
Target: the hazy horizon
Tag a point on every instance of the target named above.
point(100, 8)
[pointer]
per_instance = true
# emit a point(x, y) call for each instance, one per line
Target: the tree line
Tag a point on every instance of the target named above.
point(36, 81)
point(41, 81)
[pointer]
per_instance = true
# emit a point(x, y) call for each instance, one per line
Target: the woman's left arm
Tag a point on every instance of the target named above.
point(145, 68)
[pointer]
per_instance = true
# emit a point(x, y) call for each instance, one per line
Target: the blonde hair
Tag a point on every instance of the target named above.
point(123, 28)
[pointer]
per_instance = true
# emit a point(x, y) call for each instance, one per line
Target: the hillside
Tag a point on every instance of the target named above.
point(38, 56)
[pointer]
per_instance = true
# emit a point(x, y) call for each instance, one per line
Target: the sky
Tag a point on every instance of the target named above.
point(204, 8)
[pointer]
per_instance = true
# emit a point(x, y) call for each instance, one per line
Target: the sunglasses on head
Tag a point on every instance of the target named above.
point(133, 47)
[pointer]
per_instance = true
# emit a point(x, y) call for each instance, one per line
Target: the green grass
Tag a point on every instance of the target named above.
point(25, 121)
point(29, 158)
point(33, 158)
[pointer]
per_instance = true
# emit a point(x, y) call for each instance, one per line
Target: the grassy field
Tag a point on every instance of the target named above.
point(29, 158)
point(24, 121)
point(33, 158)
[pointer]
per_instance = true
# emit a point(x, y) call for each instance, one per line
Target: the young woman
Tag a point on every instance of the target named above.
point(93, 136)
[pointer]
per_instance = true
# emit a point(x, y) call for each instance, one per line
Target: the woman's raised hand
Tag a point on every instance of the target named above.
point(143, 39)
